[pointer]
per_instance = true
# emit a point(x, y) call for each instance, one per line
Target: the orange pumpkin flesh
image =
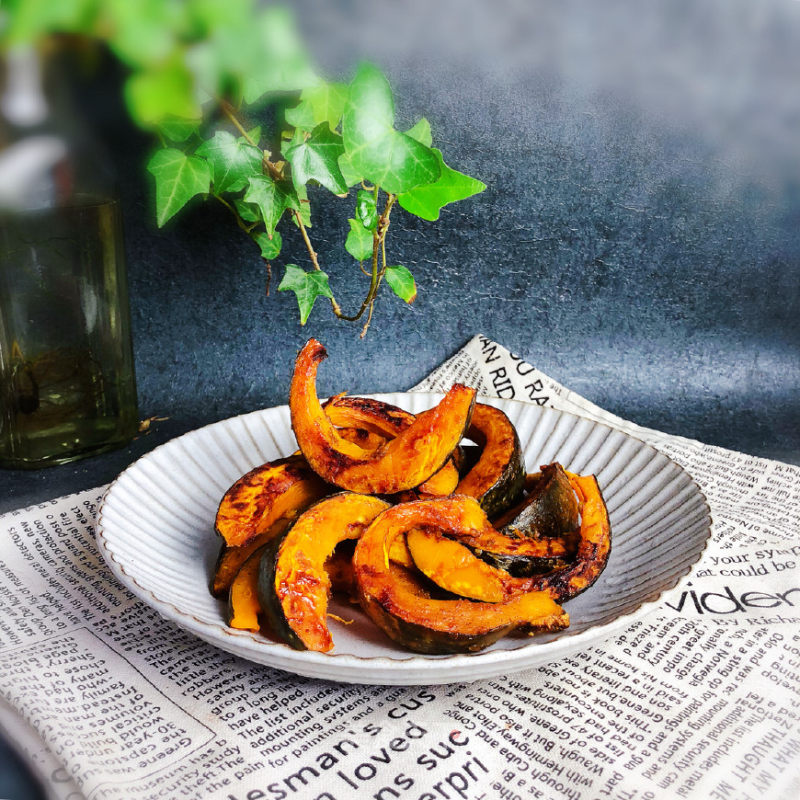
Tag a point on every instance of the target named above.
point(231, 559)
point(402, 608)
point(375, 416)
point(370, 423)
point(265, 494)
point(243, 605)
point(453, 567)
point(497, 479)
point(401, 463)
point(294, 586)
point(257, 508)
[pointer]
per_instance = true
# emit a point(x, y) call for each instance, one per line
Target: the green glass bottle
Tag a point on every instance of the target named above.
point(67, 386)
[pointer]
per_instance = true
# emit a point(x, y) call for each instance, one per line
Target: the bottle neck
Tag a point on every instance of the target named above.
point(23, 102)
point(47, 158)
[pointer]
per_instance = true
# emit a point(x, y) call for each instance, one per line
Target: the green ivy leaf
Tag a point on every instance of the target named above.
point(350, 174)
point(271, 198)
point(254, 134)
point(359, 241)
point(382, 155)
point(142, 33)
point(166, 90)
point(278, 59)
point(401, 282)
point(367, 209)
point(323, 103)
point(233, 162)
point(178, 179)
point(421, 132)
point(270, 248)
point(316, 157)
point(307, 286)
point(247, 211)
point(209, 16)
point(178, 129)
point(426, 201)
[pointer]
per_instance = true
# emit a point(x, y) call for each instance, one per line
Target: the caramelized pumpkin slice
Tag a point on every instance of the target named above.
point(550, 507)
point(462, 518)
point(453, 567)
point(293, 585)
point(243, 605)
point(537, 557)
point(231, 559)
point(377, 422)
point(401, 463)
point(375, 416)
point(594, 544)
point(266, 493)
point(366, 440)
point(497, 479)
point(465, 536)
point(406, 612)
point(400, 554)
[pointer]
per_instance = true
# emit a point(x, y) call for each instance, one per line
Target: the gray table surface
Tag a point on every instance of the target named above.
point(639, 240)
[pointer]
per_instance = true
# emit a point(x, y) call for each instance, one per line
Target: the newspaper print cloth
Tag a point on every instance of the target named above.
point(701, 699)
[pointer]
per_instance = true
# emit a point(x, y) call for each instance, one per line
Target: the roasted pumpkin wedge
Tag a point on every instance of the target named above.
point(453, 567)
point(594, 544)
point(497, 479)
point(550, 507)
point(293, 586)
point(375, 416)
point(244, 607)
point(376, 422)
point(406, 612)
point(504, 561)
point(534, 557)
point(461, 517)
point(402, 463)
point(399, 553)
point(231, 559)
point(366, 440)
point(265, 494)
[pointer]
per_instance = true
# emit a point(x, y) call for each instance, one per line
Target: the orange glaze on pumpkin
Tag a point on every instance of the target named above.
point(402, 463)
point(263, 495)
point(300, 583)
point(371, 423)
point(399, 605)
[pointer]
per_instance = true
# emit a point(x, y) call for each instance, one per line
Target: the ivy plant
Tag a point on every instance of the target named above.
point(205, 76)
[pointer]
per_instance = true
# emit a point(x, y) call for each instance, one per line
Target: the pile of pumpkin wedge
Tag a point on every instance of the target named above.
point(429, 522)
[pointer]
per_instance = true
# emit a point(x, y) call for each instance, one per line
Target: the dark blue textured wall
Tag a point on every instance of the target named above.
point(638, 241)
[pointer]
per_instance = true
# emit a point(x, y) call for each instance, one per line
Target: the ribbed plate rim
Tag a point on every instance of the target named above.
point(402, 669)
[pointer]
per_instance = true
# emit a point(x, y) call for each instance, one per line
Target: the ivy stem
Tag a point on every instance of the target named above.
point(378, 246)
point(227, 108)
point(239, 221)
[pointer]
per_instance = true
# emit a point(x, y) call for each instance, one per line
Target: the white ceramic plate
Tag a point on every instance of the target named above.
point(156, 530)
